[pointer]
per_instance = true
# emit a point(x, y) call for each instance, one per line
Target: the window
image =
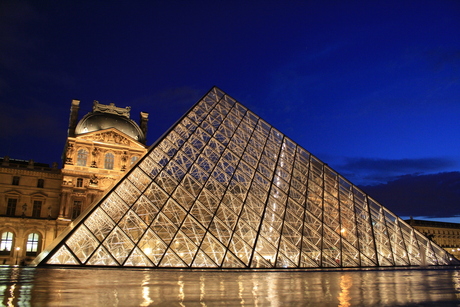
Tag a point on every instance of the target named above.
point(108, 163)
point(15, 180)
point(40, 183)
point(6, 243)
point(82, 156)
point(32, 244)
point(37, 209)
point(79, 182)
point(76, 209)
point(11, 207)
point(134, 159)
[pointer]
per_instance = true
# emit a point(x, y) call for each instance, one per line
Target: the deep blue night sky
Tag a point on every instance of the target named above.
point(370, 87)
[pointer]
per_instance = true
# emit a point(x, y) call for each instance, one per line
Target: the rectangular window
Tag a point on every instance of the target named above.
point(134, 159)
point(108, 162)
point(37, 209)
point(40, 183)
point(11, 207)
point(15, 180)
point(82, 156)
point(76, 209)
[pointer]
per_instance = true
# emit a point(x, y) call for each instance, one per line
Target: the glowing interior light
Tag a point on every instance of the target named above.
point(272, 200)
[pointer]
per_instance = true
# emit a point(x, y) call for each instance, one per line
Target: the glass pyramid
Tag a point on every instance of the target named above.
point(224, 189)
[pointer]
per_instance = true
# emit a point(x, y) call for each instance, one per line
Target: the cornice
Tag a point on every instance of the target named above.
point(31, 172)
point(87, 174)
point(109, 137)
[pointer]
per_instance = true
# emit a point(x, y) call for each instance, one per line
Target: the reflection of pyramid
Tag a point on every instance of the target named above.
point(224, 189)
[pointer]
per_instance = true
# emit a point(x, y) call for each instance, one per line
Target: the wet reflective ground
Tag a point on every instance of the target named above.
point(125, 287)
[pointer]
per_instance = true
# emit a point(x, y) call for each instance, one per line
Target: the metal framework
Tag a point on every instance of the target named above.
point(224, 189)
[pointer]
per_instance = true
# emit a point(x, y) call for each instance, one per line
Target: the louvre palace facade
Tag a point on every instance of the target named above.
point(223, 189)
point(446, 235)
point(37, 202)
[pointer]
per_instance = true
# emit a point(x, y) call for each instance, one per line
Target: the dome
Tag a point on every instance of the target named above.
point(96, 121)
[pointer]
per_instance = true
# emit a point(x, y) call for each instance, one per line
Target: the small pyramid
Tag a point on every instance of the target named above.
point(224, 189)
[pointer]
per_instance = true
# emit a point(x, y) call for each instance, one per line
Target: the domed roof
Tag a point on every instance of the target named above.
point(100, 121)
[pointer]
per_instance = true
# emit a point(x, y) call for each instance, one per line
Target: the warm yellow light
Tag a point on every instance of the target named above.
point(18, 248)
point(148, 251)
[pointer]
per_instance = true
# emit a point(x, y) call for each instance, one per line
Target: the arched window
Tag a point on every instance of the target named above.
point(108, 162)
point(32, 244)
point(134, 159)
point(6, 243)
point(79, 182)
point(82, 157)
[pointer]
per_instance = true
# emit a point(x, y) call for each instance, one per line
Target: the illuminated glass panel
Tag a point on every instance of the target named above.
point(224, 189)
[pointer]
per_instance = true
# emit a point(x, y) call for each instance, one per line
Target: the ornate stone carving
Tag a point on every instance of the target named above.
point(124, 156)
point(106, 182)
point(24, 209)
point(69, 154)
point(108, 137)
point(93, 180)
point(94, 153)
point(111, 108)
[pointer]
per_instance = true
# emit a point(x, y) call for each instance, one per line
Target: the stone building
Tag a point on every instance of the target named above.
point(29, 207)
point(37, 201)
point(446, 235)
point(99, 149)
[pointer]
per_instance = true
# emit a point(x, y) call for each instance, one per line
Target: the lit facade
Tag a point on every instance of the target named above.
point(446, 235)
point(37, 202)
point(224, 189)
point(29, 206)
point(100, 148)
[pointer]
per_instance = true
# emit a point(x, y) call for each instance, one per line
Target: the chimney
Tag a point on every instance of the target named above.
point(143, 124)
point(74, 107)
